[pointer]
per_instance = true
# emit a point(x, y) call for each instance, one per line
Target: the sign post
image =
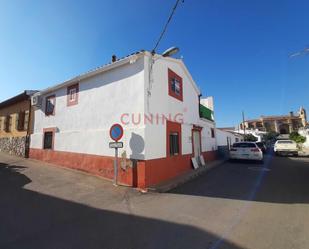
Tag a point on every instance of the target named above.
point(116, 133)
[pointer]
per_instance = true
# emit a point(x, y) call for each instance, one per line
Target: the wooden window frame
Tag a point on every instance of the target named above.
point(173, 127)
point(69, 101)
point(20, 121)
point(46, 102)
point(53, 130)
point(172, 75)
point(8, 122)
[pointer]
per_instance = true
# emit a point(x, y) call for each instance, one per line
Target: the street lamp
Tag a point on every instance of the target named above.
point(170, 51)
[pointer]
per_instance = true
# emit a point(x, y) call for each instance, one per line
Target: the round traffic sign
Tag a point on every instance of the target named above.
point(116, 132)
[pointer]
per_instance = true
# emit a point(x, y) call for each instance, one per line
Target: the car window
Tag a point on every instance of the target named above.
point(285, 142)
point(244, 145)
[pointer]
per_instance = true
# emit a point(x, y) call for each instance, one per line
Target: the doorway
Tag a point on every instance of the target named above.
point(196, 135)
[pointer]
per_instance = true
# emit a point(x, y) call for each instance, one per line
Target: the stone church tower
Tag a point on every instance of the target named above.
point(303, 116)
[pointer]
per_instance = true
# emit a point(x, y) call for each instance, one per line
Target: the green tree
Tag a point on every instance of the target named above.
point(297, 138)
point(250, 138)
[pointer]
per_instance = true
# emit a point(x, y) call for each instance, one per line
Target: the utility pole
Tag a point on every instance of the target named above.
point(243, 123)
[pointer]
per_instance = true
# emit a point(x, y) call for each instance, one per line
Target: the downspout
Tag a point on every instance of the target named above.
point(27, 145)
point(199, 107)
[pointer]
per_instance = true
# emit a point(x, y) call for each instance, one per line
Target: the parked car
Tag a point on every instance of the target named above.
point(286, 147)
point(246, 151)
point(262, 146)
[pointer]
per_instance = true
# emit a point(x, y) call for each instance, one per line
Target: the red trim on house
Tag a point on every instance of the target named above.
point(164, 169)
point(75, 102)
point(199, 129)
point(173, 75)
point(210, 155)
point(54, 109)
point(173, 127)
point(53, 130)
point(98, 165)
point(143, 174)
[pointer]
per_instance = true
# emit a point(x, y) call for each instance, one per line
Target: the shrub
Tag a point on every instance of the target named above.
point(297, 138)
point(250, 138)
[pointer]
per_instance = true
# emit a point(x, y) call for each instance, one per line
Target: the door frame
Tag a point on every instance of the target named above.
point(198, 129)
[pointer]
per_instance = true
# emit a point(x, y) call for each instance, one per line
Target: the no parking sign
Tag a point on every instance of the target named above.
point(116, 133)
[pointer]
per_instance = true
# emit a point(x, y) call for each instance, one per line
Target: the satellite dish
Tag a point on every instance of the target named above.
point(171, 51)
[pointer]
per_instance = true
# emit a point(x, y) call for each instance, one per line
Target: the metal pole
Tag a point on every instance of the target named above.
point(243, 123)
point(116, 167)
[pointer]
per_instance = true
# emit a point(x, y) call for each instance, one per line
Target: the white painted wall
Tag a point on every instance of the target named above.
point(161, 103)
point(305, 132)
point(223, 135)
point(84, 128)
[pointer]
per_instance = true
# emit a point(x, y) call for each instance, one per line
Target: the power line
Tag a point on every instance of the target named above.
point(303, 52)
point(165, 27)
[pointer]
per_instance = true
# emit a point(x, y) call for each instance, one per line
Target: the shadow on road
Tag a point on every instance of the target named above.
point(32, 220)
point(279, 180)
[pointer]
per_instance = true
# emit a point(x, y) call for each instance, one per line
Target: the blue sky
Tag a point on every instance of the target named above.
point(236, 50)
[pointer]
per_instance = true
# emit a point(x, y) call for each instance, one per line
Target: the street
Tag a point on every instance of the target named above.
point(235, 205)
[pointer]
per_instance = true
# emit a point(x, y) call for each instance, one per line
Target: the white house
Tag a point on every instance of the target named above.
point(226, 137)
point(153, 97)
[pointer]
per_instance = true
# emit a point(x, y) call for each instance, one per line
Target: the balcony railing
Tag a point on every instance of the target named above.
point(206, 113)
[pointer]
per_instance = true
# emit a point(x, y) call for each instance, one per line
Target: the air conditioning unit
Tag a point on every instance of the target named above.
point(36, 100)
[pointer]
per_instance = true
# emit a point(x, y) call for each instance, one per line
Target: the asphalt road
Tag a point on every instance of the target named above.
point(236, 205)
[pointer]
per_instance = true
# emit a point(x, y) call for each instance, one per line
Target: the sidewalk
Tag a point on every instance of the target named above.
point(304, 152)
point(181, 179)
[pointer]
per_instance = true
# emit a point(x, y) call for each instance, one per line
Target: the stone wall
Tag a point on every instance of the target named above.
point(14, 145)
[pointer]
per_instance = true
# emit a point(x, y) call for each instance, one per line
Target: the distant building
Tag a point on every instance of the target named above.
point(16, 124)
point(226, 137)
point(283, 124)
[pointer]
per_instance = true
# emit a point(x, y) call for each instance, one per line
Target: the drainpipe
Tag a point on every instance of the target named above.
point(27, 145)
point(199, 107)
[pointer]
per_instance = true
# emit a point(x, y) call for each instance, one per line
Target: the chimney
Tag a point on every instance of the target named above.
point(291, 114)
point(114, 58)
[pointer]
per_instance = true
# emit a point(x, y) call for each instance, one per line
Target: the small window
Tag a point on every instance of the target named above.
point(20, 119)
point(48, 140)
point(8, 123)
point(50, 105)
point(212, 132)
point(174, 143)
point(72, 95)
point(175, 86)
point(236, 140)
